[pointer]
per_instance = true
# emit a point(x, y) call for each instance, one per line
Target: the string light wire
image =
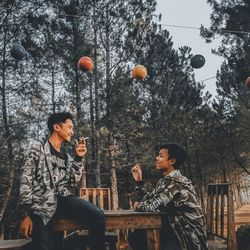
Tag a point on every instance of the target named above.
point(196, 28)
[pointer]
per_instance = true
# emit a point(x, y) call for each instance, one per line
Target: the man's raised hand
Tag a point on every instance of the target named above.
point(80, 147)
point(137, 173)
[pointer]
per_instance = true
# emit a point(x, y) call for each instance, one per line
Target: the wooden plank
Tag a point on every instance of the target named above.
point(153, 242)
point(117, 219)
point(86, 197)
point(212, 213)
point(94, 196)
point(157, 238)
point(222, 213)
point(132, 222)
point(109, 199)
point(231, 227)
point(101, 199)
point(216, 210)
point(209, 208)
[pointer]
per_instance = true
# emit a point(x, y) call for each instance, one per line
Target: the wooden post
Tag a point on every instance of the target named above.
point(230, 224)
point(216, 209)
point(222, 192)
point(209, 209)
point(152, 239)
point(113, 177)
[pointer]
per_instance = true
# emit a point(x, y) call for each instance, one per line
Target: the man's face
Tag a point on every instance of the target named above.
point(162, 161)
point(66, 130)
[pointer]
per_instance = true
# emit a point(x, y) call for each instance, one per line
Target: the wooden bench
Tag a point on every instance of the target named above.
point(120, 220)
point(124, 219)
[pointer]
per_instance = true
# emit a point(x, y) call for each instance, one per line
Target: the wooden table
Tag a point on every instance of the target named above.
point(123, 219)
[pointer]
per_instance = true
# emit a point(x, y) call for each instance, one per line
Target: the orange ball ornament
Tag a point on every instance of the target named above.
point(139, 72)
point(85, 63)
point(248, 82)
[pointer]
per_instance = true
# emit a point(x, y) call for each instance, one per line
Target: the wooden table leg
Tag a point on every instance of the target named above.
point(153, 239)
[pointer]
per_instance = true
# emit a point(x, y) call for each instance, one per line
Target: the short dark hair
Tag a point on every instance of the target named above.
point(177, 152)
point(58, 118)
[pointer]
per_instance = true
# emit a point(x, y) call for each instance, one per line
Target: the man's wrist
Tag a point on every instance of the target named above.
point(24, 215)
point(24, 211)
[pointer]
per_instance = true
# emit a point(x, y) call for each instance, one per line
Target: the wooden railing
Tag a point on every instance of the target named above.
point(220, 214)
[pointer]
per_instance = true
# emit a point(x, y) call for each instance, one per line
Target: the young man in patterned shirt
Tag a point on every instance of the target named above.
point(183, 225)
point(48, 183)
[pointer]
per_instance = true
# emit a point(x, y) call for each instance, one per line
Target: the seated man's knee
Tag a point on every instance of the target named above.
point(100, 217)
point(137, 239)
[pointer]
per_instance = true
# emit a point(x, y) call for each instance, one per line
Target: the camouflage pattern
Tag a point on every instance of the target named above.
point(38, 192)
point(175, 195)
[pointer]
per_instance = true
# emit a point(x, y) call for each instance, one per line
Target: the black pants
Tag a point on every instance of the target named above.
point(138, 240)
point(75, 208)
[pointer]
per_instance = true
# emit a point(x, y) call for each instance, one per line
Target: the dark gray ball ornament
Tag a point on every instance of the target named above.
point(197, 61)
point(18, 52)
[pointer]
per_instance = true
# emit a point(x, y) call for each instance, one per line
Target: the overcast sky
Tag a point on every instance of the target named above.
point(191, 13)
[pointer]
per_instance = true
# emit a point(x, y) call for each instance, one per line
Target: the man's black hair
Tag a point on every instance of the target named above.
point(58, 118)
point(175, 151)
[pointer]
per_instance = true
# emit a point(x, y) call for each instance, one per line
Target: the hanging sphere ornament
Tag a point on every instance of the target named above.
point(104, 131)
point(197, 61)
point(139, 72)
point(85, 64)
point(18, 52)
point(248, 82)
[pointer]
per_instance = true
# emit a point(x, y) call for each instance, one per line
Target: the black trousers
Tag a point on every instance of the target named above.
point(75, 208)
point(138, 240)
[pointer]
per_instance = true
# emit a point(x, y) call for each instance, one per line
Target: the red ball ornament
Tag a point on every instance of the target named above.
point(139, 72)
point(85, 63)
point(248, 82)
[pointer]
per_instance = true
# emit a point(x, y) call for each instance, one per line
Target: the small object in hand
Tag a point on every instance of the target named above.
point(135, 167)
point(82, 140)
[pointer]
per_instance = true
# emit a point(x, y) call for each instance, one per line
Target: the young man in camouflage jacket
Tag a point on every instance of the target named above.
point(184, 225)
point(48, 183)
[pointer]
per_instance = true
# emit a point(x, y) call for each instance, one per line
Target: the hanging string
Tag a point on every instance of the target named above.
point(207, 79)
point(196, 28)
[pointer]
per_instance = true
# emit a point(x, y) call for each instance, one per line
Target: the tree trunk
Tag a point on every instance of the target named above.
point(77, 80)
point(97, 146)
point(200, 179)
point(113, 177)
point(114, 188)
point(53, 87)
point(7, 136)
point(91, 105)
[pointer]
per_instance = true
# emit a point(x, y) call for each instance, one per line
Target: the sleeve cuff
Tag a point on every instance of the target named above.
point(79, 159)
point(139, 183)
point(25, 211)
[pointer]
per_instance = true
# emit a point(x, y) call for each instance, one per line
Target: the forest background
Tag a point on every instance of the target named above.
point(126, 119)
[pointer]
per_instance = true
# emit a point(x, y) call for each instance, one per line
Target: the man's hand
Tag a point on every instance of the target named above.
point(135, 205)
point(26, 227)
point(80, 147)
point(137, 173)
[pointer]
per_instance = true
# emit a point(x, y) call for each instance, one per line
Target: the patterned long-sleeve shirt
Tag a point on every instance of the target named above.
point(174, 194)
point(38, 190)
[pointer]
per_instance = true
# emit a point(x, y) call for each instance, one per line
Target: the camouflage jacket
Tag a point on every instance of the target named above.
point(38, 193)
point(175, 195)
